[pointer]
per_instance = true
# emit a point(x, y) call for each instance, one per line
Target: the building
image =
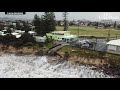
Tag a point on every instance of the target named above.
point(64, 36)
point(17, 35)
point(19, 31)
point(14, 24)
point(113, 46)
point(107, 21)
point(32, 33)
point(83, 22)
point(100, 26)
point(40, 39)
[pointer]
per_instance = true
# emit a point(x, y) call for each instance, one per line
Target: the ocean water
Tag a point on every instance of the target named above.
point(30, 66)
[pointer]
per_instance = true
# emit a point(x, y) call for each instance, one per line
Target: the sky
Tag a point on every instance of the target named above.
point(71, 15)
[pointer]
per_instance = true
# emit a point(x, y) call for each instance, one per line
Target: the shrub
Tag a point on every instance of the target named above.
point(7, 39)
point(66, 55)
point(26, 37)
point(28, 44)
point(39, 53)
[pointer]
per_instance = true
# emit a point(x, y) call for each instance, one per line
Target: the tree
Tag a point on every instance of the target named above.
point(37, 23)
point(11, 26)
point(45, 24)
point(2, 26)
point(9, 31)
point(65, 21)
point(118, 26)
point(18, 26)
point(26, 37)
point(26, 27)
point(115, 24)
point(49, 22)
point(59, 23)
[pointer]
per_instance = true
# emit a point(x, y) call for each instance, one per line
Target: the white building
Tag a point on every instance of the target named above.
point(14, 24)
point(2, 33)
point(40, 39)
point(19, 31)
point(113, 46)
point(16, 34)
point(32, 33)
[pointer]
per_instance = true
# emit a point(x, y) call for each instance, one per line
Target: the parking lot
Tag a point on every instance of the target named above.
point(98, 45)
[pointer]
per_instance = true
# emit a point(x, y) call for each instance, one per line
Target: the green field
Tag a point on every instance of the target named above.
point(91, 31)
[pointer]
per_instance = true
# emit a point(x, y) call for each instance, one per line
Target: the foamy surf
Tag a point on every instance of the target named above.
point(30, 66)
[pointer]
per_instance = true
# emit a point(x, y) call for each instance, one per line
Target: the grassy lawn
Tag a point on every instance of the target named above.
point(91, 31)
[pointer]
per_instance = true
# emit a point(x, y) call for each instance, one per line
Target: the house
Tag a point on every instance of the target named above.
point(113, 46)
point(83, 22)
point(64, 36)
point(107, 21)
point(2, 33)
point(21, 24)
point(32, 33)
point(14, 24)
point(100, 26)
point(19, 31)
point(16, 34)
point(40, 39)
point(57, 34)
point(5, 28)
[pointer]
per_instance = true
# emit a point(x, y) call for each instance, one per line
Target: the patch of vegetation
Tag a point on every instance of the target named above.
point(91, 31)
point(79, 52)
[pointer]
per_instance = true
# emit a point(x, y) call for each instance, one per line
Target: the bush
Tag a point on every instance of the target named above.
point(26, 37)
point(39, 53)
point(66, 55)
point(1, 39)
point(7, 39)
point(18, 44)
point(28, 44)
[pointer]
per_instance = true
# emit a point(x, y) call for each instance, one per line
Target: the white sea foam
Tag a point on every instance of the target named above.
point(12, 66)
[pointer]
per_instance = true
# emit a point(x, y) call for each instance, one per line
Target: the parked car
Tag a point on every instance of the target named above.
point(85, 45)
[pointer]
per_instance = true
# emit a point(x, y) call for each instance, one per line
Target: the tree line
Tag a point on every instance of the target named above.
point(47, 23)
point(43, 24)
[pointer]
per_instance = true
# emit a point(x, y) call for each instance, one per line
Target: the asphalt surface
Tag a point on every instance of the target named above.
point(99, 46)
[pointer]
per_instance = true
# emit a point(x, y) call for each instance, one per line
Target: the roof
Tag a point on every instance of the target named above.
point(31, 32)
point(114, 42)
point(4, 30)
point(19, 31)
point(17, 36)
point(61, 32)
point(14, 33)
point(70, 36)
point(38, 37)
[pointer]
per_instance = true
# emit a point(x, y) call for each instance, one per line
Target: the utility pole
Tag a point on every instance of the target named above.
point(78, 27)
point(108, 35)
point(116, 36)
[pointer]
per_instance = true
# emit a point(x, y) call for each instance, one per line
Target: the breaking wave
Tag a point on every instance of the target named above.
point(30, 66)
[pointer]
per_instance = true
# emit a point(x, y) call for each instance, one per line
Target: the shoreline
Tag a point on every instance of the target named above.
point(22, 50)
point(81, 61)
point(96, 68)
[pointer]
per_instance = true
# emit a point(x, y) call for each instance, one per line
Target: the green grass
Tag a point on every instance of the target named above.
point(91, 31)
point(79, 52)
